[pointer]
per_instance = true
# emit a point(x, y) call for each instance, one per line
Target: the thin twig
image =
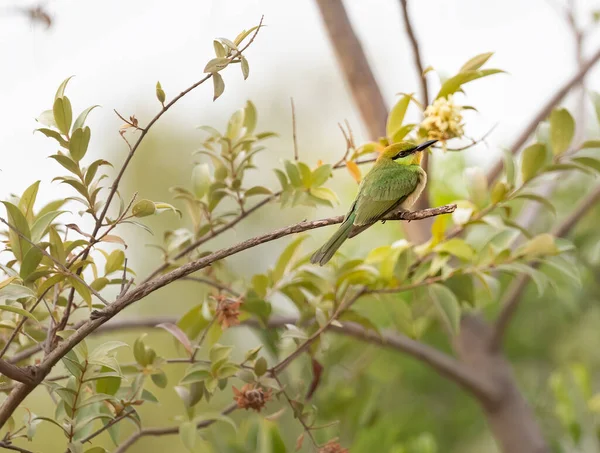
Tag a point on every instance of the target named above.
point(126, 413)
point(214, 284)
point(416, 53)
point(9, 446)
point(168, 431)
point(294, 131)
point(298, 416)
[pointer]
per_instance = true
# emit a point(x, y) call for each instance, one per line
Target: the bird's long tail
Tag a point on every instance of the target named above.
point(324, 254)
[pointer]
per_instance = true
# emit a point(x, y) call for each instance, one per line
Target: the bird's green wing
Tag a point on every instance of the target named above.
point(384, 189)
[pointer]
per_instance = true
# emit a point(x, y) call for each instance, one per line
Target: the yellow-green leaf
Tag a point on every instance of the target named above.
point(396, 116)
point(63, 114)
point(562, 130)
point(16, 219)
point(447, 306)
point(534, 157)
point(79, 143)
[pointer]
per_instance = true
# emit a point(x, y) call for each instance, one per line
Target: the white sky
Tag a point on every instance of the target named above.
point(119, 49)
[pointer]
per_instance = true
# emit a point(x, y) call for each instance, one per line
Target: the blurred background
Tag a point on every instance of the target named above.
point(118, 50)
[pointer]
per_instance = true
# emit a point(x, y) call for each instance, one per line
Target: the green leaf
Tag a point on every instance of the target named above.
point(143, 208)
point(476, 62)
point(106, 350)
point(219, 352)
point(63, 114)
point(195, 376)
point(320, 175)
point(216, 64)
point(456, 247)
point(396, 116)
point(539, 278)
point(201, 180)
point(114, 262)
point(596, 101)
point(538, 199)
point(534, 157)
point(17, 310)
point(220, 51)
point(245, 67)
point(250, 117)
point(285, 258)
point(31, 261)
point(453, 84)
point(187, 434)
point(218, 85)
point(80, 121)
point(260, 367)
point(28, 200)
point(447, 306)
point(67, 163)
point(41, 225)
point(540, 245)
point(562, 130)
point(82, 290)
point(590, 144)
point(57, 248)
point(55, 135)
point(260, 283)
point(16, 219)
point(509, 168)
point(159, 379)
point(257, 190)
point(588, 162)
point(46, 419)
point(160, 94)
point(160, 207)
point(293, 173)
point(60, 92)
point(79, 143)
point(50, 282)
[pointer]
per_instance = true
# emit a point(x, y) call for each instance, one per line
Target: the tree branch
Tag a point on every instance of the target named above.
point(98, 318)
point(545, 111)
point(444, 364)
point(513, 295)
point(15, 373)
point(355, 67)
point(168, 431)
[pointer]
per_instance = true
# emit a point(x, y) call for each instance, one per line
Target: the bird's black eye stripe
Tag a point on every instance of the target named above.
point(406, 152)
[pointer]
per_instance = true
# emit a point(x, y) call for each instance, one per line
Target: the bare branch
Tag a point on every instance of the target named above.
point(513, 295)
point(416, 53)
point(355, 67)
point(15, 373)
point(444, 364)
point(167, 431)
point(545, 111)
point(294, 132)
point(9, 446)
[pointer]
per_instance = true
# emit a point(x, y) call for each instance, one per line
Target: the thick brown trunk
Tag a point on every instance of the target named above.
point(508, 414)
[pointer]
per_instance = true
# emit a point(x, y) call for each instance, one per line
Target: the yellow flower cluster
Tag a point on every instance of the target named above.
point(443, 120)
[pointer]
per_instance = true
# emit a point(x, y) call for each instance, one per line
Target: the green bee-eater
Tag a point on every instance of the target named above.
point(395, 182)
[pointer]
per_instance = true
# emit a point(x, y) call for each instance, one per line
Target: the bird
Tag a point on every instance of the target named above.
point(395, 182)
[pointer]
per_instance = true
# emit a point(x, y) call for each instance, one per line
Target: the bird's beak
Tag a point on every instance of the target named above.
point(425, 145)
point(417, 148)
